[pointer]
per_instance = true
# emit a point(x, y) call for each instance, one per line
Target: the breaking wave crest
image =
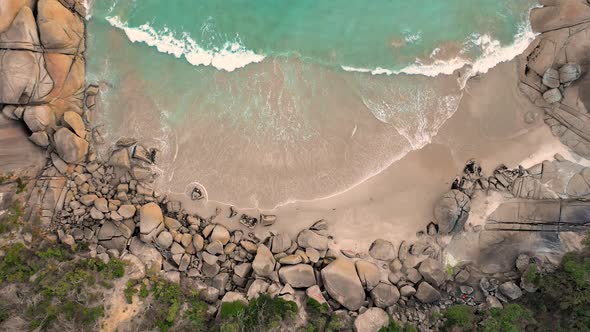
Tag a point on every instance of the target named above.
point(230, 57)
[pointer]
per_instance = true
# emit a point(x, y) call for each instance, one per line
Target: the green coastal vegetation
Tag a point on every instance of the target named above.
point(561, 302)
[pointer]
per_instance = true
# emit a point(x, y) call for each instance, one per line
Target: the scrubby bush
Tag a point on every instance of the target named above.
point(461, 317)
point(396, 327)
point(62, 285)
point(512, 318)
point(261, 314)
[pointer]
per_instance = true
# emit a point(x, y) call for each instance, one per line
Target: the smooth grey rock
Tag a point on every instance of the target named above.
point(243, 270)
point(127, 211)
point(552, 96)
point(264, 262)
point(551, 78)
point(71, 148)
point(258, 287)
point(120, 158)
point(384, 295)
point(451, 212)
point(309, 238)
point(165, 240)
point(382, 250)
point(371, 320)
point(493, 302)
point(368, 273)
point(280, 243)
point(315, 293)
point(413, 275)
point(569, 72)
point(147, 254)
point(343, 284)
point(407, 291)
point(426, 293)
point(38, 118)
point(40, 138)
point(220, 234)
point(298, 276)
point(511, 290)
point(433, 272)
point(150, 218)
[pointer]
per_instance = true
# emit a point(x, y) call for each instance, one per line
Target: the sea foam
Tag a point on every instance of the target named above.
point(230, 57)
point(492, 54)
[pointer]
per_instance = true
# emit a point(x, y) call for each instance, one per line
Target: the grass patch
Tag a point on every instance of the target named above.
point(12, 217)
point(460, 317)
point(64, 286)
point(261, 314)
point(396, 327)
point(512, 318)
point(21, 186)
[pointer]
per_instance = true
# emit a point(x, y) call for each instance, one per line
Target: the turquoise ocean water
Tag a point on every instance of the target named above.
point(267, 96)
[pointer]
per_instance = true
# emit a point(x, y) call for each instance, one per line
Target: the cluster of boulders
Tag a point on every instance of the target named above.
point(42, 72)
point(552, 70)
point(557, 80)
point(120, 216)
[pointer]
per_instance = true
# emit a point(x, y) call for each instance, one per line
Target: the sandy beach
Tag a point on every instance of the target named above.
point(489, 126)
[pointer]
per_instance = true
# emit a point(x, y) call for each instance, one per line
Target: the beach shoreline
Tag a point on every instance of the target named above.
point(501, 187)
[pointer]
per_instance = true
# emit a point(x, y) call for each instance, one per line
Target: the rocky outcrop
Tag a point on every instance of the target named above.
point(61, 30)
point(552, 71)
point(556, 15)
point(24, 77)
point(451, 211)
point(42, 72)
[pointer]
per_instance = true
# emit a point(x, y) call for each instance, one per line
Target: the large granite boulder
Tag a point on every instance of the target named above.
point(61, 30)
point(551, 78)
point(433, 271)
point(369, 274)
point(23, 77)
point(22, 33)
point(147, 254)
point(74, 121)
point(310, 239)
point(341, 281)
point(38, 118)
point(71, 148)
point(511, 290)
point(264, 262)
point(385, 295)
point(451, 212)
point(151, 221)
point(382, 250)
point(298, 276)
point(371, 320)
point(220, 234)
point(569, 72)
point(426, 293)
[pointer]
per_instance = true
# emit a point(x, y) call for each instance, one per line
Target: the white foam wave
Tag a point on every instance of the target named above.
point(230, 57)
point(493, 53)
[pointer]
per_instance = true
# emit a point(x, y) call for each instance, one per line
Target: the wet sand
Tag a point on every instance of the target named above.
point(396, 203)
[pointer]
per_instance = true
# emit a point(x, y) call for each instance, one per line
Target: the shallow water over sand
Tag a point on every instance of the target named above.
point(275, 131)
